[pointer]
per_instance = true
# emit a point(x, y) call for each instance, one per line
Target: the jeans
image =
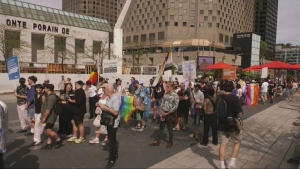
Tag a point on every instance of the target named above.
point(92, 105)
point(31, 113)
point(169, 122)
point(113, 145)
point(210, 121)
point(198, 117)
point(23, 116)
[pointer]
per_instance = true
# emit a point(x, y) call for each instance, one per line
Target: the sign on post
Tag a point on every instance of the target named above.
point(264, 72)
point(110, 68)
point(13, 68)
point(189, 70)
point(229, 73)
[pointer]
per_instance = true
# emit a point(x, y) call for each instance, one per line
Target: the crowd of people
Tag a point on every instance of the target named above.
point(216, 104)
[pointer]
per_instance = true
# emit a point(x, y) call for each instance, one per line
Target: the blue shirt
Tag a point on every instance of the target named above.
point(30, 97)
point(114, 103)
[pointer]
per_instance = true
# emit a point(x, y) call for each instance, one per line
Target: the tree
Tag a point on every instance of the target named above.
point(137, 52)
point(263, 48)
point(60, 48)
point(11, 43)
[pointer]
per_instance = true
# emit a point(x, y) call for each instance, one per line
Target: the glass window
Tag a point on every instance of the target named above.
point(55, 11)
point(18, 3)
point(24, 5)
point(206, 6)
point(38, 7)
point(31, 6)
point(50, 10)
point(12, 2)
point(44, 8)
point(4, 1)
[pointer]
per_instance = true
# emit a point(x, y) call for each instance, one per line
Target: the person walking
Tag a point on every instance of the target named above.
point(131, 88)
point(38, 102)
point(112, 106)
point(65, 126)
point(264, 91)
point(183, 107)
point(30, 103)
point(21, 95)
point(78, 109)
point(101, 128)
point(61, 85)
point(210, 120)
point(226, 131)
point(3, 131)
point(49, 117)
point(169, 105)
point(93, 98)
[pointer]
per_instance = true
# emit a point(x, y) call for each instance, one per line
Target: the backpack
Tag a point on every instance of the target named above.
point(57, 107)
point(221, 109)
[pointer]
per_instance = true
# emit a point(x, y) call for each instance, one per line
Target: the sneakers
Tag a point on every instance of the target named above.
point(143, 128)
point(136, 128)
point(94, 141)
point(232, 165)
point(80, 140)
point(58, 144)
point(72, 139)
point(293, 138)
point(104, 142)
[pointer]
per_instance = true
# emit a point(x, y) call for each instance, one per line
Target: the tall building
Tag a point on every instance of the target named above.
point(104, 9)
point(265, 24)
point(287, 53)
point(153, 23)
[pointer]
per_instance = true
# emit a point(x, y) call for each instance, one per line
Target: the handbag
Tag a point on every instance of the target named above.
point(142, 107)
point(96, 122)
point(107, 119)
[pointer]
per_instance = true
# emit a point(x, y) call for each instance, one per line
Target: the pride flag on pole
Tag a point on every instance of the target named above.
point(127, 107)
point(252, 94)
point(162, 69)
point(93, 77)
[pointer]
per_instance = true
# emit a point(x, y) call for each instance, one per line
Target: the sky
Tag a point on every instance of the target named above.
point(288, 24)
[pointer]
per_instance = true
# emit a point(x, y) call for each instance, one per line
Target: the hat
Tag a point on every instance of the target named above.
point(141, 83)
point(135, 82)
point(118, 79)
point(80, 82)
point(104, 85)
point(46, 80)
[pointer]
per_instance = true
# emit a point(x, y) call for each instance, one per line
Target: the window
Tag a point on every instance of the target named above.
point(143, 38)
point(201, 12)
point(152, 36)
point(210, 12)
point(184, 24)
point(171, 17)
point(166, 23)
point(214, 18)
point(172, 4)
point(161, 35)
point(175, 23)
point(193, 12)
point(176, 11)
point(180, 5)
point(192, 18)
point(220, 37)
point(215, 6)
point(128, 39)
point(160, 25)
point(205, 18)
point(192, 24)
point(206, 6)
point(184, 11)
point(180, 17)
point(201, 24)
point(209, 25)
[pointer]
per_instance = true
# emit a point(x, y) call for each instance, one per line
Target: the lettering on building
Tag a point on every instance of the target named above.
point(36, 26)
point(244, 36)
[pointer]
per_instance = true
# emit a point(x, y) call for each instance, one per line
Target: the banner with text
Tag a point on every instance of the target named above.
point(110, 68)
point(13, 68)
point(189, 70)
point(264, 72)
point(229, 73)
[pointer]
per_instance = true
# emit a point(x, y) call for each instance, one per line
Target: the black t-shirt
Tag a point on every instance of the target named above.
point(233, 108)
point(38, 103)
point(183, 103)
point(159, 91)
point(80, 106)
point(204, 90)
point(272, 87)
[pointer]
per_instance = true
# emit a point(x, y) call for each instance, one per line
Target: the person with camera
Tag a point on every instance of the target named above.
point(228, 110)
point(112, 107)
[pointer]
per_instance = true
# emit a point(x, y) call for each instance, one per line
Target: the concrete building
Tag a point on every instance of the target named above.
point(38, 34)
point(287, 53)
point(104, 9)
point(152, 23)
point(265, 24)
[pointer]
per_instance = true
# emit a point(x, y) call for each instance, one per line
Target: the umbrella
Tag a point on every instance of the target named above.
point(252, 68)
point(296, 67)
point(277, 65)
point(218, 66)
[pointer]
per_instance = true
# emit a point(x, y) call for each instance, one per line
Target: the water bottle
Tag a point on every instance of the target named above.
point(43, 128)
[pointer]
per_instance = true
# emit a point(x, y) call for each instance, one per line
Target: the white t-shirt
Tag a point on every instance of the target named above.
point(198, 96)
point(92, 91)
point(100, 92)
point(264, 87)
point(295, 86)
point(239, 92)
point(215, 84)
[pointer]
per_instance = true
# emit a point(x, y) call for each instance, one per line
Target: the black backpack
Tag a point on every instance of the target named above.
point(58, 105)
point(221, 108)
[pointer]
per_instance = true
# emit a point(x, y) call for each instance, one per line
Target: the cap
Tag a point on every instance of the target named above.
point(141, 83)
point(104, 85)
point(46, 80)
point(135, 82)
point(118, 79)
point(80, 82)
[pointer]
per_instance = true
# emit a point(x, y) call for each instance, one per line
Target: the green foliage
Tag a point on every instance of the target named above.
point(263, 48)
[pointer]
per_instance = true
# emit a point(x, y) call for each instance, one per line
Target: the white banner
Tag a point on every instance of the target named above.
point(264, 72)
point(189, 70)
point(110, 68)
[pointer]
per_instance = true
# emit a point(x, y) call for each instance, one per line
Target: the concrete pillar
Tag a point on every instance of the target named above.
point(118, 44)
point(47, 55)
point(24, 53)
point(70, 50)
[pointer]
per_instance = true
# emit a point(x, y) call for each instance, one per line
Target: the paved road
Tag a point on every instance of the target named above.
point(134, 151)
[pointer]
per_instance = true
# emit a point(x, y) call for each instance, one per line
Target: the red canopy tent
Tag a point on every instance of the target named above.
point(296, 67)
point(255, 68)
point(218, 66)
point(277, 65)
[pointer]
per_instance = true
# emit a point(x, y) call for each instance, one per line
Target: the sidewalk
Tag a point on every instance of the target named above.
point(264, 144)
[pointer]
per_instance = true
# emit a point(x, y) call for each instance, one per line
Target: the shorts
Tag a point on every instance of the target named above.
point(31, 113)
point(78, 118)
point(263, 93)
point(157, 103)
point(49, 126)
point(183, 111)
point(235, 137)
point(271, 93)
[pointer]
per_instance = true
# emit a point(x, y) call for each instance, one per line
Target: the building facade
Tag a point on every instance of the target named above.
point(287, 53)
point(38, 34)
point(265, 24)
point(152, 23)
point(248, 45)
point(104, 9)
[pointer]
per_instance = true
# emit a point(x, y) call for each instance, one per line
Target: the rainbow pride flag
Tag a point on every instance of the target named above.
point(93, 77)
point(127, 107)
point(252, 94)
